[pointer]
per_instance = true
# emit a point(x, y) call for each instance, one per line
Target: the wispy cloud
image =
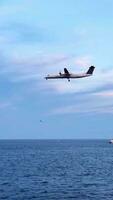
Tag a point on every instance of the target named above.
point(106, 93)
point(99, 80)
point(91, 106)
point(34, 68)
point(5, 105)
point(84, 61)
point(24, 33)
point(24, 68)
point(75, 110)
point(24, 63)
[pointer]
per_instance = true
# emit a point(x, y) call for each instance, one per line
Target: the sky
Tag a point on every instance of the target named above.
point(41, 37)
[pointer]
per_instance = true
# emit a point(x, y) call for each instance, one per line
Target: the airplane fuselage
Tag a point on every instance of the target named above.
point(67, 76)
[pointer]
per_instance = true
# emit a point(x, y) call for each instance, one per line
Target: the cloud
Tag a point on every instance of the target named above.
point(24, 33)
point(88, 105)
point(29, 66)
point(88, 110)
point(99, 81)
point(40, 60)
point(21, 68)
point(107, 93)
point(5, 105)
point(83, 61)
point(29, 55)
point(16, 27)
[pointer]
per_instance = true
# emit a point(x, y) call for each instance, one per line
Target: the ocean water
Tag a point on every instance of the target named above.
point(56, 169)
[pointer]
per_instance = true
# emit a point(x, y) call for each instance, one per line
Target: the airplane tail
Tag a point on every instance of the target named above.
point(90, 70)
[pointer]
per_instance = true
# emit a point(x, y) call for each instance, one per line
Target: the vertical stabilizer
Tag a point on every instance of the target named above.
point(90, 70)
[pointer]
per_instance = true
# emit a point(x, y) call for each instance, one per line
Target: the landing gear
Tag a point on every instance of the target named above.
point(68, 80)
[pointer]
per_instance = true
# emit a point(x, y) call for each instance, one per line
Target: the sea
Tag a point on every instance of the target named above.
point(56, 170)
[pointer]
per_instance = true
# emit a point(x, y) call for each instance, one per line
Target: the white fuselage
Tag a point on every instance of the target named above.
point(68, 76)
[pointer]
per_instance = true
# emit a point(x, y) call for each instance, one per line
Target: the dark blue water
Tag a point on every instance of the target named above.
point(56, 169)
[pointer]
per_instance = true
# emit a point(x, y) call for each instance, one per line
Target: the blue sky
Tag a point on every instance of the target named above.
point(40, 37)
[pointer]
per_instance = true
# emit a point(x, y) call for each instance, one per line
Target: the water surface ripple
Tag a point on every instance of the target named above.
point(56, 170)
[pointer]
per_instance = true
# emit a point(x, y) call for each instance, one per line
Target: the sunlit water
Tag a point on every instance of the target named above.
point(56, 169)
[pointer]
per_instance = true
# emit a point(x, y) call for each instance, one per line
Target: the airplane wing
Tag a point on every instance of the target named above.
point(66, 71)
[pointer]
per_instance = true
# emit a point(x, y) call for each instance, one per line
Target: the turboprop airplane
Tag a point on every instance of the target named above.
point(69, 75)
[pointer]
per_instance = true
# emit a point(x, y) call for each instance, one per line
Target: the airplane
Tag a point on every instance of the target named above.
point(67, 75)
